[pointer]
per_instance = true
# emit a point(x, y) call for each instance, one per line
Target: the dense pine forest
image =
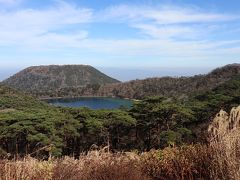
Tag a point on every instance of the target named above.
point(158, 137)
point(30, 126)
point(119, 90)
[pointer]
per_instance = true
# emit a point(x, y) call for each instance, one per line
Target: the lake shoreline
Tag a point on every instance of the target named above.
point(72, 97)
point(91, 102)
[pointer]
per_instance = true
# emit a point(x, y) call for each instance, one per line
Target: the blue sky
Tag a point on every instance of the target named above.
point(140, 38)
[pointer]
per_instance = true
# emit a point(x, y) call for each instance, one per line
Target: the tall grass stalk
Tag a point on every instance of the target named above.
point(220, 159)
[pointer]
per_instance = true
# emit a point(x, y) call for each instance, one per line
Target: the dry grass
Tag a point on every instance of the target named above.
point(96, 165)
point(218, 160)
point(99, 165)
point(28, 168)
point(226, 155)
point(186, 162)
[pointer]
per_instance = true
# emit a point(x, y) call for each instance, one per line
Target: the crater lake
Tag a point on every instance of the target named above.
point(92, 102)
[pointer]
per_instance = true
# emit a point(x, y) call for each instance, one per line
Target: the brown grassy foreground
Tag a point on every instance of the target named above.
point(219, 160)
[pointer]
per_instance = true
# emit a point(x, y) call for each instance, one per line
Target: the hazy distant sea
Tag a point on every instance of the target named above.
point(7, 72)
point(126, 74)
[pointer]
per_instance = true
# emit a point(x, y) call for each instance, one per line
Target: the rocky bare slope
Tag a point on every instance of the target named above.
point(44, 80)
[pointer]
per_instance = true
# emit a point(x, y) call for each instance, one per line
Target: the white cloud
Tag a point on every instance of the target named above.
point(28, 24)
point(41, 31)
point(166, 21)
point(34, 27)
point(163, 14)
point(10, 2)
point(161, 48)
point(166, 32)
point(53, 41)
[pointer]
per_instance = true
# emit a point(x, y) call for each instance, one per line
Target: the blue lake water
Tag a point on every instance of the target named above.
point(92, 102)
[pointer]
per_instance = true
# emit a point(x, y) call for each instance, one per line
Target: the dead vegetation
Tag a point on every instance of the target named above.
point(218, 160)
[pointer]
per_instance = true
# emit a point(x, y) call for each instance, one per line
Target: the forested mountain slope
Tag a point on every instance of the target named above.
point(44, 80)
point(30, 126)
point(70, 81)
point(27, 124)
point(169, 86)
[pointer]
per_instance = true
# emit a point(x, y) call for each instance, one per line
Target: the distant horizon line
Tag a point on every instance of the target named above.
point(125, 74)
point(121, 67)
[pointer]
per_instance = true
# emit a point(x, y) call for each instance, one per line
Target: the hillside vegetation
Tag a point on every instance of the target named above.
point(180, 87)
point(159, 137)
point(29, 126)
point(83, 80)
point(45, 80)
point(216, 160)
